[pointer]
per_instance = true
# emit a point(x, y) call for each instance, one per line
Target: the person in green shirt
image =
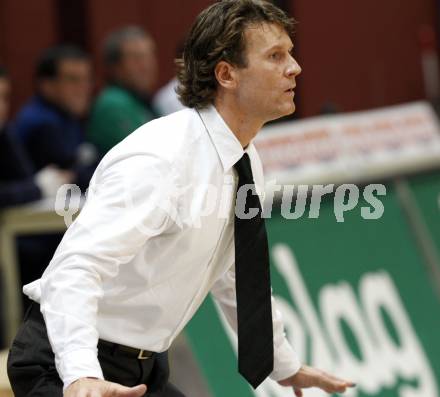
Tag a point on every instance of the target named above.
point(124, 104)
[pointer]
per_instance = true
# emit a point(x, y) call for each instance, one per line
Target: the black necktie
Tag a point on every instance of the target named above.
point(252, 279)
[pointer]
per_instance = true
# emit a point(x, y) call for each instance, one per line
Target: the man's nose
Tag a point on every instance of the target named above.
point(294, 69)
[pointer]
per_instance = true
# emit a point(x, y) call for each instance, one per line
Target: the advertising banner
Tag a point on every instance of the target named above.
point(426, 192)
point(356, 299)
point(352, 147)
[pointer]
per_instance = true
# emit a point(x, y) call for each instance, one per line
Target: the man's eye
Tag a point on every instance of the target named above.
point(276, 55)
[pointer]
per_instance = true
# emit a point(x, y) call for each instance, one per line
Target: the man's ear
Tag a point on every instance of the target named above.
point(225, 75)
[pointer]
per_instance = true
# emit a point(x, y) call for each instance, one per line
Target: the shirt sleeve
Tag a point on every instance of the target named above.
point(286, 360)
point(128, 202)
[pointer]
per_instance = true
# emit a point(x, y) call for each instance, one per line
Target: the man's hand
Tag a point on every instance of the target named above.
point(312, 377)
point(88, 387)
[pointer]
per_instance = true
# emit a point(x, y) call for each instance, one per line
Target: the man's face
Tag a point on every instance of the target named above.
point(138, 65)
point(72, 88)
point(4, 99)
point(265, 86)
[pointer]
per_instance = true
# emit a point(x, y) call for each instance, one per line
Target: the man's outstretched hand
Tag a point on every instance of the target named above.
point(311, 377)
point(88, 387)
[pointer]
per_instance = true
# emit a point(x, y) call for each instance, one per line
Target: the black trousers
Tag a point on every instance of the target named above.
point(32, 372)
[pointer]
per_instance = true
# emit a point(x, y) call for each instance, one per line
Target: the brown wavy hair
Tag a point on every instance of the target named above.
point(218, 35)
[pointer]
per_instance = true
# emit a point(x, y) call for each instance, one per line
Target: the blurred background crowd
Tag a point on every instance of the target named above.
point(78, 76)
point(61, 131)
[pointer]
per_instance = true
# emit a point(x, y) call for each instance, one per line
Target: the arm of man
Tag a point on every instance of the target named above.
point(286, 360)
point(288, 370)
point(125, 207)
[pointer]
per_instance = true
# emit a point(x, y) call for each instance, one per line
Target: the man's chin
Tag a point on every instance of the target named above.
point(288, 111)
point(281, 112)
point(293, 108)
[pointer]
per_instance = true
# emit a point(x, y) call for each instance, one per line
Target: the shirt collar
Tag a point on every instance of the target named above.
point(225, 142)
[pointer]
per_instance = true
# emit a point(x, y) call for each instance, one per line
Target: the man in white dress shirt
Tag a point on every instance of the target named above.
point(143, 254)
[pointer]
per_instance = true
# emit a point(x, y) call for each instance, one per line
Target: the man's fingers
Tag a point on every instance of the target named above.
point(333, 384)
point(336, 379)
point(312, 377)
point(334, 387)
point(122, 391)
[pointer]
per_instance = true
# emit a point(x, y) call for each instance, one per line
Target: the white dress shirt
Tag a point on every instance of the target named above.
point(146, 248)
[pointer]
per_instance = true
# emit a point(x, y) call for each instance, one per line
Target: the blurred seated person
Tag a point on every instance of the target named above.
point(18, 183)
point(51, 125)
point(125, 103)
point(166, 100)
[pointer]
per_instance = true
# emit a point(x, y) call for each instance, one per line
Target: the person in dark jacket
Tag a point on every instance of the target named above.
point(50, 125)
point(19, 184)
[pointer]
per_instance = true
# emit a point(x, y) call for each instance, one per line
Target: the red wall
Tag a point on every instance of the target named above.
point(360, 54)
point(167, 21)
point(26, 27)
point(355, 54)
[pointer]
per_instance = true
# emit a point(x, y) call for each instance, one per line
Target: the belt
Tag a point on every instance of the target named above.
point(140, 354)
point(35, 313)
